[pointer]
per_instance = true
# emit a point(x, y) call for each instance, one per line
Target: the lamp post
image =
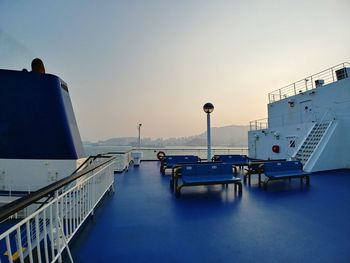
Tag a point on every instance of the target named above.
point(139, 140)
point(137, 155)
point(208, 108)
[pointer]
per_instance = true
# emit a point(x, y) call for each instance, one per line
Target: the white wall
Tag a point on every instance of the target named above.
point(289, 122)
point(309, 105)
point(31, 175)
point(263, 140)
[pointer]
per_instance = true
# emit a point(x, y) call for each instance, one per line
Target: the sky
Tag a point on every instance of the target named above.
point(157, 62)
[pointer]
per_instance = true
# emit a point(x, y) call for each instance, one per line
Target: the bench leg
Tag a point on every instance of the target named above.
point(259, 179)
point(162, 169)
point(239, 185)
point(172, 179)
point(176, 183)
point(245, 176)
point(307, 180)
point(235, 169)
point(178, 190)
point(171, 183)
point(265, 183)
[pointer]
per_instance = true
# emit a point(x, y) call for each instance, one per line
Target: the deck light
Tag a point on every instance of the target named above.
point(208, 108)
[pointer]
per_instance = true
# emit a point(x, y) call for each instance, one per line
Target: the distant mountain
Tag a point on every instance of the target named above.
point(233, 135)
point(228, 136)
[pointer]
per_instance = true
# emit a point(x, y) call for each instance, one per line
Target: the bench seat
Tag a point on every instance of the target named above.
point(206, 174)
point(171, 160)
point(256, 166)
point(235, 159)
point(291, 173)
point(229, 158)
point(221, 179)
point(284, 170)
point(176, 170)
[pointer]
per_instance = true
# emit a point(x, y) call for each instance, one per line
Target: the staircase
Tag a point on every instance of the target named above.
point(308, 147)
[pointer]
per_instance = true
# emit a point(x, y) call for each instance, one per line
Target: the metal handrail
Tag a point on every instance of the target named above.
point(258, 124)
point(306, 83)
point(17, 205)
point(316, 128)
point(47, 231)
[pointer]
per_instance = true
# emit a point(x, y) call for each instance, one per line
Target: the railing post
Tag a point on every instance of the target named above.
point(9, 250)
point(45, 237)
point(312, 83)
point(29, 241)
point(93, 194)
point(58, 241)
point(19, 244)
point(295, 90)
point(306, 80)
point(37, 231)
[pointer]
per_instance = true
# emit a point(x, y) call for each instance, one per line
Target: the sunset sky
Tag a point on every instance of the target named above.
point(158, 62)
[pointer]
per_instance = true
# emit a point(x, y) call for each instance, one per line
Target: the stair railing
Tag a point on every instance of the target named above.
point(314, 130)
point(304, 130)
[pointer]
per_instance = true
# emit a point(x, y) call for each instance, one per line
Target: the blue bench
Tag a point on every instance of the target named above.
point(255, 166)
point(206, 174)
point(237, 160)
point(284, 170)
point(171, 160)
point(176, 170)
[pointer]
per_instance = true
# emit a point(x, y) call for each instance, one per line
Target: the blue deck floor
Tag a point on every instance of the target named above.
point(144, 222)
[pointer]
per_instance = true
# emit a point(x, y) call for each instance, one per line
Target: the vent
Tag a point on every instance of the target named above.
point(319, 82)
point(341, 74)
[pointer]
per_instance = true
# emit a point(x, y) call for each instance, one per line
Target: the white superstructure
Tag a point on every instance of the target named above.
point(308, 120)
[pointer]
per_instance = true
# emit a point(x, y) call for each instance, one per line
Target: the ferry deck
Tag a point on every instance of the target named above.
point(143, 221)
point(140, 219)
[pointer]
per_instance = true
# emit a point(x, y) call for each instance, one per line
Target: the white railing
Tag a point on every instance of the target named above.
point(150, 153)
point(44, 235)
point(322, 78)
point(258, 124)
point(122, 160)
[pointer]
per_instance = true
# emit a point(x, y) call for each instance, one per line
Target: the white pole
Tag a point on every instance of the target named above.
point(139, 140)
point(208, 137)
